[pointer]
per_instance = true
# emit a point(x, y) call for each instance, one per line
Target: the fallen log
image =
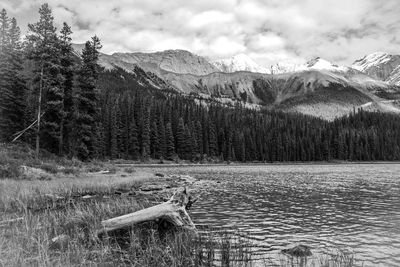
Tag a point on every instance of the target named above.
point(172, 212)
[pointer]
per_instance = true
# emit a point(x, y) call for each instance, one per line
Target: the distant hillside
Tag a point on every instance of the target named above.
point(318, 87)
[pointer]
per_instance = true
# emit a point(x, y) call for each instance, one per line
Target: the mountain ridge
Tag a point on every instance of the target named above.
point(317, 87)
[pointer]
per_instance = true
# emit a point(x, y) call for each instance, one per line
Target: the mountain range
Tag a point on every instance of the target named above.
point(317, 88)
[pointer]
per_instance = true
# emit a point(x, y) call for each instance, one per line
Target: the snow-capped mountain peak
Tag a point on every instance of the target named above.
point(370, 60)
point(322, 64)
point(379, 65)
point(240, 62)
point(313, 64)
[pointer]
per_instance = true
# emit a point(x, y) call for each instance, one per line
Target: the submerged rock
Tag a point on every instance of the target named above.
point(298, 251)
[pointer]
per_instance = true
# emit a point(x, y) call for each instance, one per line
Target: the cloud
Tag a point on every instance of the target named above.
point(268, 31)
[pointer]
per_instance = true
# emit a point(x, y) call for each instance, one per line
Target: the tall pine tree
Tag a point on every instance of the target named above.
point(12, 84)
point(43, 50)
point(87, 111)
point(66, 61)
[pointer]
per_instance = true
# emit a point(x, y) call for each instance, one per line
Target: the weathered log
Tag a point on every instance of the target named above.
point(173, 211)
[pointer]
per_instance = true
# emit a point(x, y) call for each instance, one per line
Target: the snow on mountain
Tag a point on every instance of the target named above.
point(371, 60)
point(239, 62)
point(314, 64)
point(378, 65)
point(394, 77)
point(322, 64)
point(242, 62)
point(287, 66)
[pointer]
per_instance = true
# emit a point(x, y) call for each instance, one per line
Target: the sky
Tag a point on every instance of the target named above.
point(268, 31)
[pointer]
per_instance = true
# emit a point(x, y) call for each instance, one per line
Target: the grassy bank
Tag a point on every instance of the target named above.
point(40, 200)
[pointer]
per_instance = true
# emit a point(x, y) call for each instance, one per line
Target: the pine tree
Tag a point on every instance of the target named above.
point(66, 61)
point(113, 151)
point(133, 140)
point(181, 148)
point(4, 42)
point(86, 110)
point(145, 133)
point(161, 137)
point(212, 140)
point(12, 85)
point(199, 135)
point(18, 87)
point(44, 50)
point(170, 147)
point(154, 141)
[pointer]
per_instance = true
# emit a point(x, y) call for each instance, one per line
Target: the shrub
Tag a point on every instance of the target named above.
point(10, 171)
point(129, 170)
point(51, 168)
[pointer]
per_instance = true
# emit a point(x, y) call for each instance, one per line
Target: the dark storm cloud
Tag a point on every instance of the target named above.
point(268, 31)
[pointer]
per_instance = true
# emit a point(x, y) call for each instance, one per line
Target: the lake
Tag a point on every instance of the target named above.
point(353, 208)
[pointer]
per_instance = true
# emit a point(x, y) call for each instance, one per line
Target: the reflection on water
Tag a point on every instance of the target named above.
point(349, 207)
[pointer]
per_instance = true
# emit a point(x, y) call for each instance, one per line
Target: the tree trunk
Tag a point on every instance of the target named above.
point(173, 211)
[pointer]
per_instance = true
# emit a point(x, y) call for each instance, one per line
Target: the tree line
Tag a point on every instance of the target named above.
point(65, 103)
point(44, 86)
point(137, 124)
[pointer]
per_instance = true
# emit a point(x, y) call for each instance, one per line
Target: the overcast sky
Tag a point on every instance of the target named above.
point(268, 31)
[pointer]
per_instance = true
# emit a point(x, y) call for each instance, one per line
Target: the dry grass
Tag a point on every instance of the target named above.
point(27, 242)
point(52, 207)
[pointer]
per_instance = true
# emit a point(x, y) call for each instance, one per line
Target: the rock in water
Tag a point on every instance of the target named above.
point(298, 251)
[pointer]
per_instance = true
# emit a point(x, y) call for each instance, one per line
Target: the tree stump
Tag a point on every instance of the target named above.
point(173, 212)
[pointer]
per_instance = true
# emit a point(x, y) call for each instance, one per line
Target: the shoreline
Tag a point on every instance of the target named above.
point(171, 165)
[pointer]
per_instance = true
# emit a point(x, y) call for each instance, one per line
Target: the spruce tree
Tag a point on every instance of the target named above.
point(155, 142)
point(67, 62)
point(182, 144)
point(12, 84)
point(113, 151)
point(86, 109)
point(145, 133)
point(44, 51)
point(212, 141)
point(18, 86)
point(170, 147)
point(4, 43)
point(161, 137)
point(133, 140)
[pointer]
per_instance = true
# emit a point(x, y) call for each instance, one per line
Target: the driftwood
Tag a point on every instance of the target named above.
point(173, 213)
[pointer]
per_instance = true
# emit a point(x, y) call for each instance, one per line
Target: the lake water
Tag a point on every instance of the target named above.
point(351, 207)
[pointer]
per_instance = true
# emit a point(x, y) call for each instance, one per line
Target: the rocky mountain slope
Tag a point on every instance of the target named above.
point(319, 93)
point(394, 77)
point(318, 87)
point(176, 61)
point(378, 65)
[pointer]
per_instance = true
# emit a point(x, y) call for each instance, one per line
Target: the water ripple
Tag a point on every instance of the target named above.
point(354, 207)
